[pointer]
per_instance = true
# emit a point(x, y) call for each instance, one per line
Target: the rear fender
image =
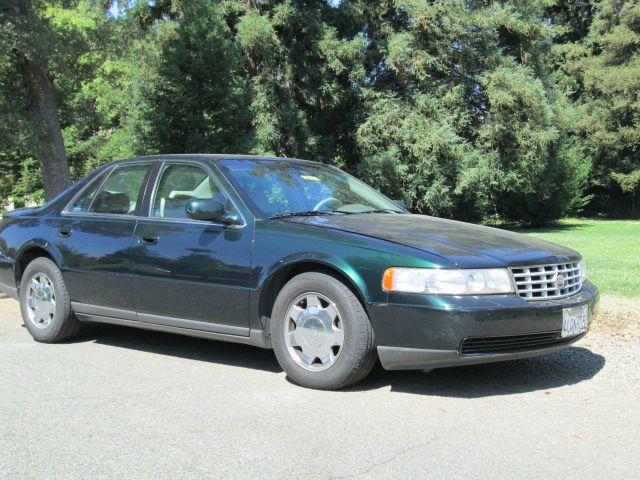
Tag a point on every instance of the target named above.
point(35, 246)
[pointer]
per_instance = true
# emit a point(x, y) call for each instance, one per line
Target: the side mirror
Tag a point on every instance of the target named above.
point(400, 203)
point(206, 209)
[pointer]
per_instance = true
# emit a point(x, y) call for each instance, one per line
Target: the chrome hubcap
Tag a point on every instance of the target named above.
point(313, 332)
point(41, 300)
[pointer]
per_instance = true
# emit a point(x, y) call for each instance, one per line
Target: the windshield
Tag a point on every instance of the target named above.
point(284, 187)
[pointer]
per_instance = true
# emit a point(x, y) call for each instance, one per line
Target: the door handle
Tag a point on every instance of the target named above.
point(148, 239)
point(63, 233)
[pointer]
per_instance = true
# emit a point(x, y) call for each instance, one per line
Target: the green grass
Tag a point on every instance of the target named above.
point(611, 249)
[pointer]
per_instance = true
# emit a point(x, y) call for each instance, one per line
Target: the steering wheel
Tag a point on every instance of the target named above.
point(323, 202)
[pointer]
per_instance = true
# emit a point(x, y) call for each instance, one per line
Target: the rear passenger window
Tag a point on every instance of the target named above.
point(119, 194)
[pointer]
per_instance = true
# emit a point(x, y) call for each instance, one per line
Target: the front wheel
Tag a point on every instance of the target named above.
point(45, 304)
point(321, 333)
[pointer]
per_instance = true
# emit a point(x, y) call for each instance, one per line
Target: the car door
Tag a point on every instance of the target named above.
point(94, 234)
point(190, 273)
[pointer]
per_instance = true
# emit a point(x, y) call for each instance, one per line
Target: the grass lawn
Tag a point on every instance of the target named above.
point(611, 249)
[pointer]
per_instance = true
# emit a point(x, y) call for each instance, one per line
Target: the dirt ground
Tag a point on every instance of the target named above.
point(618, 317)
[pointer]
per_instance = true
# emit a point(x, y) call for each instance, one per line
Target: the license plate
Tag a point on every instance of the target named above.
point(575, 320)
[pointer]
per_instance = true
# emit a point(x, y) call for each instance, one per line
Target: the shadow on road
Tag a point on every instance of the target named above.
point(180, 346)
point(567, 367)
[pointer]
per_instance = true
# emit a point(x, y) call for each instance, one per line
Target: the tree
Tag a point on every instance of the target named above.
point(469, 108)
point(197, 102)
point(302, 78)
point(28, 36)
point(629, 183)
point(609, 73)
point(464, 117)
point(266, 77)
point(571, 18)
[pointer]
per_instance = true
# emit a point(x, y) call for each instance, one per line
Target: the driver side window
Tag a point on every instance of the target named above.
point(180, 183)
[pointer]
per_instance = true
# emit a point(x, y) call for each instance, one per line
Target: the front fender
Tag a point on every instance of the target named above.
point(321, 259)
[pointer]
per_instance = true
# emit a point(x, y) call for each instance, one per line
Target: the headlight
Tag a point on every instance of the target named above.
point(583, 271)
point(447, 281)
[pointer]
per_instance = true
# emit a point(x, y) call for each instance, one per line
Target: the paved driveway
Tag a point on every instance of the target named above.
point(123, 403)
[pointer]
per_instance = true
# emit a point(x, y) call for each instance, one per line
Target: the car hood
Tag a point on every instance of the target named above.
point(464, 244)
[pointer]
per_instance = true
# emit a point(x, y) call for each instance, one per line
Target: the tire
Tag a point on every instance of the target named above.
point(42, 286)
point(344, 365)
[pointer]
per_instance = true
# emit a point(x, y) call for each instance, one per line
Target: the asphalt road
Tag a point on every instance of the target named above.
point(123, 403)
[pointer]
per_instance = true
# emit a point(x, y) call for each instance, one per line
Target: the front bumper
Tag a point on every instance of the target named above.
point(426, 332)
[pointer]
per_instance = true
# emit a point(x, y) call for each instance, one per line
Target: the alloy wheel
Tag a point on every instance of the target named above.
point(41, 300)
point(313, 332)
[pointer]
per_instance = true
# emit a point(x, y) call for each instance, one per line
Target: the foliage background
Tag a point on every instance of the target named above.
point(516, 110)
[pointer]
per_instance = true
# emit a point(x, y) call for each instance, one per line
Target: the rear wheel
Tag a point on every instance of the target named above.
point(45, 304)
point(321, 333)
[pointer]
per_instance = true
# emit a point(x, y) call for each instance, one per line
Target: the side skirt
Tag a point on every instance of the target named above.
point(9, 291)
point(96, 314)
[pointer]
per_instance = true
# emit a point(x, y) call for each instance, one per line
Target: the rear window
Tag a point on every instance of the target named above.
point(83, 202)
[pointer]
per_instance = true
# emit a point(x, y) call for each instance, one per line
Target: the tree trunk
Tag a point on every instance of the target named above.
point(45, 125)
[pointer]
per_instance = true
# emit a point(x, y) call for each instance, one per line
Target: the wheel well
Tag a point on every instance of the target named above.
point(275, 283)
point(26, 258)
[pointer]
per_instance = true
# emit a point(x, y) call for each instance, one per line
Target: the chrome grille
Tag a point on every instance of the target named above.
point(540, 282)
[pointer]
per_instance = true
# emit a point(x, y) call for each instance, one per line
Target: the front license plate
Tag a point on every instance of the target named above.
point(575, 320)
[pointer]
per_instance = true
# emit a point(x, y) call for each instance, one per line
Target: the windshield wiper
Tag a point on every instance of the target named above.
point(305, 213)
point(381, 210)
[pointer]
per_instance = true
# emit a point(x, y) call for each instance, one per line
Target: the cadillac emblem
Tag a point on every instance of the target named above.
point(559, 281)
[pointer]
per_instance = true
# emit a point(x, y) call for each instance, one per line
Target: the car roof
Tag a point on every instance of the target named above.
point(208, 157)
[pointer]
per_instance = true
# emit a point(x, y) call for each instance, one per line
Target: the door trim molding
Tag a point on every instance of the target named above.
point(86, 309)
point(193, 324)
point(100, 314)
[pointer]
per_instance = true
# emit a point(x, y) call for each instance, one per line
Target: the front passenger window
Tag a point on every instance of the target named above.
point(180, 183)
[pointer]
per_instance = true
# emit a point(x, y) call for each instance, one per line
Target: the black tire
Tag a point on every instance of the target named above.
point(63, 325)
point(358, 353)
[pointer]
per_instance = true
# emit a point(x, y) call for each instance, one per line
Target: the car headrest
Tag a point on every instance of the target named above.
point(111, 202)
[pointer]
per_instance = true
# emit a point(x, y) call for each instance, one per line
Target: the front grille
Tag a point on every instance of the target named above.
point(511, 343)
point(541, 281)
